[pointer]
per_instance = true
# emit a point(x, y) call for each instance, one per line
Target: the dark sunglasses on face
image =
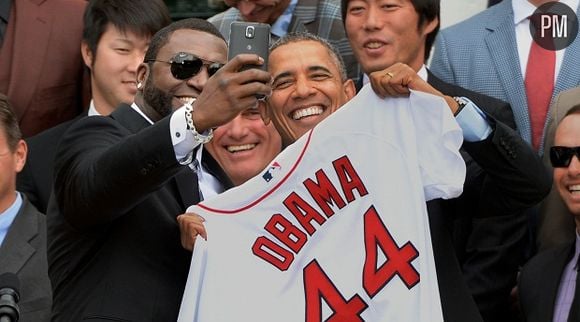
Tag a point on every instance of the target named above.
point(185, 66)
point(561, 156)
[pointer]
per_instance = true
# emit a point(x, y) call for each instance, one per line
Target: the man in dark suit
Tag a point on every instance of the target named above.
point(120, 181)
point(559, 222)
point(504, 178)
point(41, 69)
point(22, 227)
point(116, 34)
point(548, 286)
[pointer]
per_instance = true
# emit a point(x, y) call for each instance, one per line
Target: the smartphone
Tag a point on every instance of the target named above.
point(249, 38)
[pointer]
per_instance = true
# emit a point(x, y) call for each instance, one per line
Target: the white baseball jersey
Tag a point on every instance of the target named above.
point(335, 229)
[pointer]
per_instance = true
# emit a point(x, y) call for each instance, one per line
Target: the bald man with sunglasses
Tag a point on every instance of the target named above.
point(549, 283)
point(114, 247)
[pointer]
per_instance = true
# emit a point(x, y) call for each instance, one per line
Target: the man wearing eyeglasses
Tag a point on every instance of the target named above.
point(114, 247)
point(548, 286)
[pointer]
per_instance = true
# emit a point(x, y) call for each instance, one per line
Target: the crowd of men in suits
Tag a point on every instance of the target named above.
point(171, 122)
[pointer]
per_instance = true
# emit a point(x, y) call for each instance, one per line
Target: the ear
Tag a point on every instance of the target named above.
point(20, 155)
point(349, 89)
point(143, 73)
point(88, 57)
point(429, 26)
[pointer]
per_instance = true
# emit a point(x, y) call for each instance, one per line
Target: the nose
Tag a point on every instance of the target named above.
point(373, 20)
point(199, 80)
point(237, 129)
point(574, 167)
point(303, 88)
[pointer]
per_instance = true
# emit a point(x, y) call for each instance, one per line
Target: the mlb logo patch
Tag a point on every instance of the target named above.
point(271, 172)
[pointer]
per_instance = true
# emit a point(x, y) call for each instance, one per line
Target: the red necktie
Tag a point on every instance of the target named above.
point(539, 84)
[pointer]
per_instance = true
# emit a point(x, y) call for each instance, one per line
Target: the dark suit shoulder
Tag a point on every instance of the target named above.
point(539, 283)
point(538, 264)
point(35, 179)
point(23, 252)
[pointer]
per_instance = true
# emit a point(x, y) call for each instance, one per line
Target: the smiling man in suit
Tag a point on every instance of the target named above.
point(548, 286)
point(391, 40)
point(116, 34)
point(22, 227)
point(121, 180)
point(493, 53)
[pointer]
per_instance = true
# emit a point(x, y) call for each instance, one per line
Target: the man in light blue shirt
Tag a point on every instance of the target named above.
point(22, 227)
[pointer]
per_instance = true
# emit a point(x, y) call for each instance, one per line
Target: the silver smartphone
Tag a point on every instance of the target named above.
point(249, 38)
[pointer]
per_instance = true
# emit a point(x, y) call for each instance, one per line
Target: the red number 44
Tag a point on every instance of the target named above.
point(318, 286)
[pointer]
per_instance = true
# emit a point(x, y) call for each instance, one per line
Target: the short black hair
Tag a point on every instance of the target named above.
point(427, 11)
point(9, 123)
point(162, 36)
point(143, 17)
point(305, 36)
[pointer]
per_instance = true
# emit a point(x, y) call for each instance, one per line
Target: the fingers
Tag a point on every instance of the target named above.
point(392, 81)
point(264, 114)
point(238, 62)
point(190, 226)
point(398, 80)
point(229, 92)
point(251, 82)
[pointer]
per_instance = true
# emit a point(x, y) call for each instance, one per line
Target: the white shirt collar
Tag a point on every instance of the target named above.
point(92, 109)
point(523, 9)
point(423, 72)
point(136, 108)
point(281, 25)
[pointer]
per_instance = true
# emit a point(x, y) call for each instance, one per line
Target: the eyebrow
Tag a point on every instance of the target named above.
point(314, 68)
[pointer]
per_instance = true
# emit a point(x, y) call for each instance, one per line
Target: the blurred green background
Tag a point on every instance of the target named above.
point(180, 9)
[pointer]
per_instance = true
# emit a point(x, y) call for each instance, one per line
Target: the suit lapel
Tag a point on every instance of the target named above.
point(35, 47)
point(550, 281)
point(212, 166)
point(129, 118)
point(16, 249)
point(502, 36)
point(187, 186)
point(304, 14)
point(186, 179)
point(569, 75)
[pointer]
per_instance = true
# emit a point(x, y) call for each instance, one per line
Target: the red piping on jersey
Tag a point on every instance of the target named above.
point(220, 211)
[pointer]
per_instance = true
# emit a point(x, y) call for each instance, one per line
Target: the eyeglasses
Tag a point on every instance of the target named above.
point(561, 156)
point(185, 66)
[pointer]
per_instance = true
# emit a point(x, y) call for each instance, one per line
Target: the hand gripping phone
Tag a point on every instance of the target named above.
point(250, 38)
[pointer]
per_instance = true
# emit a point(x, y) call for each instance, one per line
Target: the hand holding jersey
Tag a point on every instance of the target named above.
point(338, 218)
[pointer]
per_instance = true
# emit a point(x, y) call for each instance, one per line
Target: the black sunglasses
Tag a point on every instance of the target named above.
point(561, 156)
point(185, 66)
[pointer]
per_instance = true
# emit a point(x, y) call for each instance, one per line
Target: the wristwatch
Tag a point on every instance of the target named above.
point(461, 101)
